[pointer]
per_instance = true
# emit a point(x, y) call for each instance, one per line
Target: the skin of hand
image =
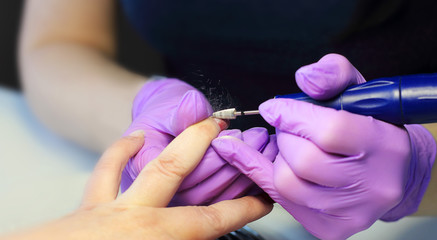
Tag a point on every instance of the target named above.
point(165, 107)
point(140, 212)
point(336, 172)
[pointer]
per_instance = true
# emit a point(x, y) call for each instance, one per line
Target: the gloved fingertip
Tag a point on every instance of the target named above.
point(242, 156)
point(197, 102)
point(317, 79)
point(256, 137)
point(192, 108)
point(327, 77)
point(347, 73)
point(269, 111)
point(255, 132)
point(225, 146)
point(309, 86)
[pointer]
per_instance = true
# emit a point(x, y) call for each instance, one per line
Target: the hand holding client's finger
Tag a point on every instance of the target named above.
point(159, 180)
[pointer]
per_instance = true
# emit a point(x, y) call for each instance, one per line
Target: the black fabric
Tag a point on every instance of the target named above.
point(9, 21)
point(251, 49)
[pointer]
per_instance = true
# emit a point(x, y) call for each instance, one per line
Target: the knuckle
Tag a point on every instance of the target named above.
point(283, 183)
point(333, 127)
point(303, 162)
point(171, 166)
point(214, 218)
point(137, 218)
point(392, 195)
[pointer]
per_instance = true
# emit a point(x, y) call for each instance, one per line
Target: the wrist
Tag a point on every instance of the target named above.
point(423, 152)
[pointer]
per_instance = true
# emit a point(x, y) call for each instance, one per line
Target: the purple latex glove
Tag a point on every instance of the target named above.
point(226, 182)
point(163, 109)
point(336, 172)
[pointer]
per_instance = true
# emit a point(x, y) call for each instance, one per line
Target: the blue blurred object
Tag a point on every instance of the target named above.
point(245, 233)
point(398, 100)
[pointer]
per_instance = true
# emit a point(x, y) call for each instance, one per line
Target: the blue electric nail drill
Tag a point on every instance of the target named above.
point(399, 100)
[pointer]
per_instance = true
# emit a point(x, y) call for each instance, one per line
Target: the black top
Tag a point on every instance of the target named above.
point(252, 48)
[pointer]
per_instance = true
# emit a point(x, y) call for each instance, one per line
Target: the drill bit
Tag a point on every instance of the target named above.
point(231, 113)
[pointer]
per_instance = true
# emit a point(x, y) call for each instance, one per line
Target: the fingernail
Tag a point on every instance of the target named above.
point(138, 133)
point(223, 124)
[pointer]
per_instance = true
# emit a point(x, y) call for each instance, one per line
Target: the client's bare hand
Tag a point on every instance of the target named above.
point(140, 212)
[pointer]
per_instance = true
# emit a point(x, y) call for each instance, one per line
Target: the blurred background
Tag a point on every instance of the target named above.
point(133, 52)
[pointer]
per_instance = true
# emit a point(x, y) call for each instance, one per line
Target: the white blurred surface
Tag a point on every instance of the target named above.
point(43, 177)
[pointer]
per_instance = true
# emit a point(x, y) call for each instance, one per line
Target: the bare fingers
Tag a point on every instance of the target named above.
point(105, 179)
point(211, 222)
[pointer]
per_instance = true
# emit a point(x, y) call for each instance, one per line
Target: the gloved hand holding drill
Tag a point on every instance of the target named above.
point(336, 172)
